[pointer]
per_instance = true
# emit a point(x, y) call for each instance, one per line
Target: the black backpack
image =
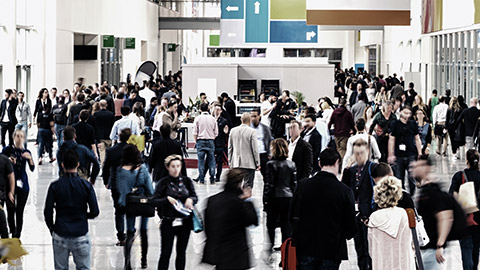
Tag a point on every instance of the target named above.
point(59, 115)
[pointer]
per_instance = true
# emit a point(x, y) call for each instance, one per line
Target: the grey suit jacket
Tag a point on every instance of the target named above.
point(243, 148)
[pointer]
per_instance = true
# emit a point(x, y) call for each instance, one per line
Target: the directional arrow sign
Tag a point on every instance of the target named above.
point(232, 9)
point(229, 8)
point(256, 21)
point(231, 32)
point(293, 32)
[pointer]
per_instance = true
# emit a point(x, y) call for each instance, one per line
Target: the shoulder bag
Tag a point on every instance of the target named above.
point(139, 204)
point(467, 199)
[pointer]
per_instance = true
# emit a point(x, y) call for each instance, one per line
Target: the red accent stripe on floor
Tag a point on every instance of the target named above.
point(191, 163)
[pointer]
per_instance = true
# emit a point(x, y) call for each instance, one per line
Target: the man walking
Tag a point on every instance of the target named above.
point(205, 131)
point(243, 150)
point(220, 140)
point(264, 138)
point(440, 129)
point(8, 120)
point(469, 117)
point(404, 146)
point(311, 135)
point(104, 120)
point(59, 112)
point(124, 122)
point(323, 216)
point(342, 119)
point(299, 151)
point(74, 202)
point(24, 115)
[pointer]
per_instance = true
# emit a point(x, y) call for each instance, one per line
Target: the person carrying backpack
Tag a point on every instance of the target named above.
point(443, 217)
point(470, 245)
point(59, 112)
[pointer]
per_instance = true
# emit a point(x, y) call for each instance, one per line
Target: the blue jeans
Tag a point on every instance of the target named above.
point(131, 223)
point(59, 132)
point(206, 147)
point(470, 247)
point(313, 263)
point(79, 247)
point(401, 165)
point(24, 127)
point(45, 140)
point(429, 259)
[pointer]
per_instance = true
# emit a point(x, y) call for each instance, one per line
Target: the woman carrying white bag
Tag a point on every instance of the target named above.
point(465, 188)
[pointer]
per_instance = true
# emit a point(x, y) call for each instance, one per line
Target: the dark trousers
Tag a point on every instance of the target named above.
point(382, 142)
point(219, 154)
point(119, 216)
point(314, 263)
point(249, 177)
point(167, 235)
point(263, 163)
point(470, 247)
point(277, 209)
point(45, 140)
point(401, 165)
point(15, 212)
point(3, 221)
point(361, 247)
point(4, 127)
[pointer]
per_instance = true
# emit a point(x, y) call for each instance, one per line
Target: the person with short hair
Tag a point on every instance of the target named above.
point(104, 120)
point(300, 151)
point(230, 108)
point(264, 138)
point(469, 118)
point(84, 155)
point(439, 126)
point(124, 122)
point(221, 140)
point(342, 120)
point(359, 107)
point(279, 185)
point(227, 217)
point(323, 216)
point(282, 113)
point(243, 149)
point(389, 236)
point(311, 135)
point(74, 202)
point(205, 131)
point(74, 109)
point(171, 118)
point(85, 132)
point(113, 157)
point(20, 157)
point(374, 151)
point(404, 147)
point(23, 114)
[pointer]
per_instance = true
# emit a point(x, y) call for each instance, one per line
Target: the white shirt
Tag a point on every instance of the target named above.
point(291, 147)
point(147, 94)
point(124, 122)
point(370, 94)
point(266, 118)
point(323, 130)
point(326, 115)
point(440, 113)
point(261, 144)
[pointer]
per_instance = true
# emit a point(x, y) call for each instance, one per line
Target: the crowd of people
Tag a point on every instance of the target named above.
point(347, 167)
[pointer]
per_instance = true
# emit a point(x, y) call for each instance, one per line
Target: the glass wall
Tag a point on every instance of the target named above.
point(456, 63)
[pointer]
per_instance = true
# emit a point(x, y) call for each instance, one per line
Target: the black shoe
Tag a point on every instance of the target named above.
point(144, 245)
point(212, 182)
point(120, 243)
point(195, 180)
point(277, 249)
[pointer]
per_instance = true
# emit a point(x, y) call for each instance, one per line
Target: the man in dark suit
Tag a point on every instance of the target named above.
point(85, 132)
point(112, 162)
point(104, 120)
point(161, 150)
point(231, 108)
point(281, 114)
point(359, 179)
point(8, 120)
point(300, 151)
point(323, 216)
point(75, 109)
point(311, 135)
point(134, 98)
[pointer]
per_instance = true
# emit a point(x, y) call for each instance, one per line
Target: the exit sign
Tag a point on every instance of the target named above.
point(129, 43)
point(172, 47)
point(108, 41)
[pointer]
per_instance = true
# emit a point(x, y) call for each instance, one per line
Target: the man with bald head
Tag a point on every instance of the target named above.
point(243, 150)
point(104, 120)
point(469, 117)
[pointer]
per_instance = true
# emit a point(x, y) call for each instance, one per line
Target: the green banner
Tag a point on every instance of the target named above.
point(214, 40)
point(172, 47)
point(108, 41)
point(129, 43)
point(288, 9)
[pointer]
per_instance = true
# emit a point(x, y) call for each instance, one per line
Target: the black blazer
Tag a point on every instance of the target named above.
point(39, 106)
point(325, 217)
point(353, 98)
point(316, 143)
point(161, 150)
point(11, 110)
point(364, 193)
point(104, 120)
point(85, 134)
point(112, 162)
point(226, 219)
point(74, 112)
point(302, 156)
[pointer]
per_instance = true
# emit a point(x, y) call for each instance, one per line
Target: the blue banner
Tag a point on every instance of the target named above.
point(256, 21)
point(232, 9)
point(293, 32)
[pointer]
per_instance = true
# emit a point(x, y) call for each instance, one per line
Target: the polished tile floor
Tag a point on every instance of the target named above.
point(105, 255)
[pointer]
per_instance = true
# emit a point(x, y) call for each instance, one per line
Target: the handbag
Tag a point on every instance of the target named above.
point(197, 221)
point(289, 255)
point(138, 204)
point(422, 235)
point(467, 199)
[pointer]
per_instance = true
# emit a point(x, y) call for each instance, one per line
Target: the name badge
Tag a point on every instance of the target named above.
point(356, 207)
point(402, 147)
point(177, 222)
point(19, 183)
